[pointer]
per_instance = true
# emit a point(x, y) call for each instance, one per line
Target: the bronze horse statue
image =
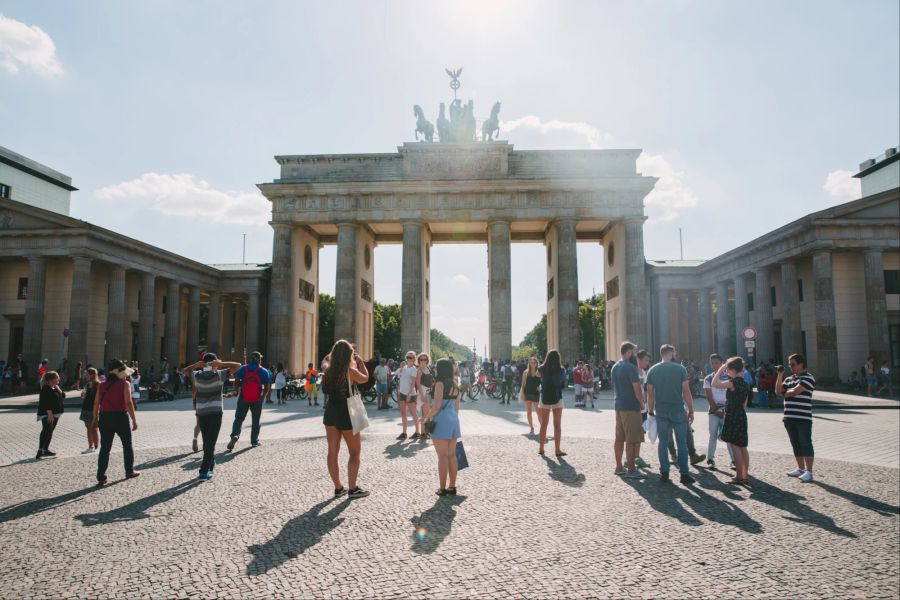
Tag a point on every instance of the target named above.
point(491, 125)
point(423, 126)
point(443, 125)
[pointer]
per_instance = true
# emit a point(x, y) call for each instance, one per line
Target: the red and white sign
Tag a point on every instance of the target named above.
point(749, 333)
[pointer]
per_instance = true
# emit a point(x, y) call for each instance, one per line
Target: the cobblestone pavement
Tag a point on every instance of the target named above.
point(855, 435)
point(523, 526)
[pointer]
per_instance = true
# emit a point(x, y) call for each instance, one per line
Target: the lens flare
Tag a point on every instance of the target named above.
point(421, 532)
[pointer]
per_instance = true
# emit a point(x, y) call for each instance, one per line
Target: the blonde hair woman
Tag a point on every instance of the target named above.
point(50, 407)
point(530, 392)
point(424, 381)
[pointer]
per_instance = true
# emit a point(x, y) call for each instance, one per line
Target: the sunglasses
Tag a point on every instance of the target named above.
point(410, 358)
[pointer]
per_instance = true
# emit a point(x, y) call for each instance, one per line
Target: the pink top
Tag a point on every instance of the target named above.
point(112, 396)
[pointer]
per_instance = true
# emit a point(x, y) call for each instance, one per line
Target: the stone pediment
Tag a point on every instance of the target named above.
point(888, 209)
point(18, 216)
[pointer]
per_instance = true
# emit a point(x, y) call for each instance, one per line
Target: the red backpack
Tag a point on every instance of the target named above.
point(251, 386)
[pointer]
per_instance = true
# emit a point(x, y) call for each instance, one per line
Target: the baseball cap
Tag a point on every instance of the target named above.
point(256, 354)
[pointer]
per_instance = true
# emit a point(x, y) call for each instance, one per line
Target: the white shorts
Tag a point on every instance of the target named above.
point(578, 389)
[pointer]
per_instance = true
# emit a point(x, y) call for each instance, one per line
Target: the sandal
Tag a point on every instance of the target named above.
point(560, 454)
point(541, 452)
point(736, 481)
point(451, 491)
point(441, 492)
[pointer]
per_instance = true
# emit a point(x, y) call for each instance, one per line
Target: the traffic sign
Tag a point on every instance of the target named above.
point(749, 332)
point(749, 344)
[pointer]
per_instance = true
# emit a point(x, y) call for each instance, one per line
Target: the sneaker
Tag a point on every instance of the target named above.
point(341, 491)
point(402, 436)
point(209, 476)
point(255, 444)
point(664, 477)
point(357, 492)
point(101, 481)
point(621, 471)
point(195, 446)
point(414, 436)
point(795, 472)
point(87, 450)
point(48, 454)
point(686, 479)
point(132, 475)
point(39, 455)
point(697, 458)
point(640, 463)
point(806, 477)
point(633, 474)
point(231, 443)
point(201, 476)
point(711, 464)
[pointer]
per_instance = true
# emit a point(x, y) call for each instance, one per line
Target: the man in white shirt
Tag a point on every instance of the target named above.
point(406, 393)
point(716, 399)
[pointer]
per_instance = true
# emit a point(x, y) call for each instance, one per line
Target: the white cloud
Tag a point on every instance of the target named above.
point(183, 195)
point(842, 184)
point(461, 279)
point(27, 47)
point(531, 133)
point(671, 195)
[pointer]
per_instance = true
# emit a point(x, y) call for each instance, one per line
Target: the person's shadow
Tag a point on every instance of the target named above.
point(882, 508)
point(791, 502)
point(401, 450)
point(31, 507)
point(296, 537)
point(564, 473)
point(221, 458)
point(161, 462)
point(137, 509)
point(433, 526)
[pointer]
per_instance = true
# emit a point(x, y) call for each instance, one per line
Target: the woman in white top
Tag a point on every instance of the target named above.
point(406, 393)
point(280, 383)
point(135, 385)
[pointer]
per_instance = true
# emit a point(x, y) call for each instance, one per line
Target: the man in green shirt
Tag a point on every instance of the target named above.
point(668, 392)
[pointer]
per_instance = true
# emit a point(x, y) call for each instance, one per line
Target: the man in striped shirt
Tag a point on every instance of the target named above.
point(209, 377)
point(797, 390)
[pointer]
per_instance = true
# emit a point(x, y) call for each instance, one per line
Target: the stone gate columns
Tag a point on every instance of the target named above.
point(279, 333)
point(724, 334)
point(415, 332)
point(146, 320)
point(227, 340)
point(563, 329)
point(762, 315)
point(33, 334)
point(253, 322)
point(193, 323)
point(303, 324)
point(663, 325)
point(704, 309)
point(240, 329)
point(876, 307)
point(683, 346)
point(115, 316)
point(635, 284)
point(790, 312)
point(826, 368)
point(214, 322)
point(741, 314)
point(79, 312)
point(500, 293)
point(354, 287)
point(173, 323)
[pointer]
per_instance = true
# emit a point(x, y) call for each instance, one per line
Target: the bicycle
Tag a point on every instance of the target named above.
point(296, 389)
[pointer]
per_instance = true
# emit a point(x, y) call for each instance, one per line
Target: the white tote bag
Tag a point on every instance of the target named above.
point(650, 428)
point(357, 410)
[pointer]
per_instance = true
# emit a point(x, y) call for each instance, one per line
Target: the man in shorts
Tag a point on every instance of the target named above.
point(629, 404)
point(382, 373)
point(576, 382)
point(406, 394)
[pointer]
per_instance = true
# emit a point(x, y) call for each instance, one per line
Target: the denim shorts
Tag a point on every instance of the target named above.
point(800, 433)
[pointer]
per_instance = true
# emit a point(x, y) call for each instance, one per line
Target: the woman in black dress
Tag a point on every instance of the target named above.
point(530, 392)
point(734, 430)
point(343, 366)
point(552, 382)
point(91, 382)
point(50, 407)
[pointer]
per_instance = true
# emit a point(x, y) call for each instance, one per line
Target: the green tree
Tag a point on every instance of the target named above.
point(442, 347)
point(523, 352)
point(387, 330)
point(326, 324)
point(537, 337)
point(591, 314)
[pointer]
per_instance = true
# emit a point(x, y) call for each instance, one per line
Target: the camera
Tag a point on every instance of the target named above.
point(780, 368)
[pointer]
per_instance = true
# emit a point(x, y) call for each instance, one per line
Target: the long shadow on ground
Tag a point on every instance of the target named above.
point(433, 526)
point(296, 537)
point(31, 507)
point(137, 509)
point(564, 473)
point(161, 462)
point(401, 450)
point(220, 459)
point(790, 502)
point(882, 508)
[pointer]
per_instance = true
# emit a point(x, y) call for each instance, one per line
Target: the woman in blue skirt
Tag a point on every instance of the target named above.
point(444, 412)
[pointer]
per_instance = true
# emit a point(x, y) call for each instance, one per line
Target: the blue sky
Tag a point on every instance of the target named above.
point(751, 113)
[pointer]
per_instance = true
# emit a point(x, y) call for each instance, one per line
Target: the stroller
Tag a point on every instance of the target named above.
point(157, 393)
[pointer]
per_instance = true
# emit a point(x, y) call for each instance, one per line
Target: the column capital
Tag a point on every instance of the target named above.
point(564, 221)
point(281, 226)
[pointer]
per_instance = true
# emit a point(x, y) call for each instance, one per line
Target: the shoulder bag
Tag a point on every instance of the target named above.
point(358, 417)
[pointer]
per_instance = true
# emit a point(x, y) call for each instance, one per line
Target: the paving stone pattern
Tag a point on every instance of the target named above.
point(523, 526)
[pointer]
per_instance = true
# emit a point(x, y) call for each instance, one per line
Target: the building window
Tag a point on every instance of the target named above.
point(894, 337)
point(773, 296)
point(800, 289)
point(164, 304)
point(23, 289)
point(803, 344)
point(139, 300)
point(5, 190)
point(891, 282)
point(749, 301)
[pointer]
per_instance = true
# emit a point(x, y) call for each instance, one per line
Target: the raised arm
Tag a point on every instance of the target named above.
point(727, 385)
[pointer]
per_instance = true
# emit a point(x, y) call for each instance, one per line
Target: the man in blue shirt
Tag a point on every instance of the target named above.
point(254, 384)
point(668, 391)
point(629, 404)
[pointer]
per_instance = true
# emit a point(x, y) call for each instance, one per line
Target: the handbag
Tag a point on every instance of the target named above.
point(461, 460)
point(358, 417)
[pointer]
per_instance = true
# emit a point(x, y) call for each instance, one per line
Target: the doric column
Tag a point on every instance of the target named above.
point(173, 323)
point(414, 334)
point(635, 284)
point(33, 335)
point(115, 316)
point(663, 322)
point(567, 290)
point(741, 314)
point(253, 322)
point(345, 288)
point(226, 344)
point(499, 293)
point(278, 337)
point(240, 327)
point(214, 322)
point(876, 307)
point(826, 330)
point(684, 327)
point(193, 323)
point(79, 312)
point(724, 335)
point(762, 316)
point(146, 316)
point(705, 316)
point(790, 312)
